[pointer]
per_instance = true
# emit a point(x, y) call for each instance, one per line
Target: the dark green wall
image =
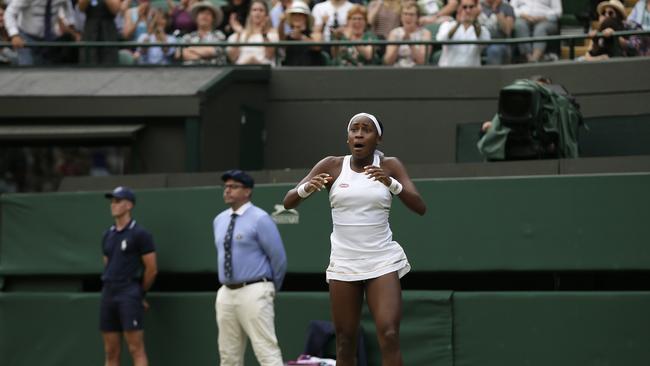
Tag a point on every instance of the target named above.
point(540, 329)
point(221, 138)
point(421, 107)
point(592, 222)
point(438, 328)
point(520, 226)
point(305, 110)
point(603, 136)
point(62, 328)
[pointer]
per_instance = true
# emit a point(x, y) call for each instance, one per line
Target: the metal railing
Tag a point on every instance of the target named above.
point(570, 39)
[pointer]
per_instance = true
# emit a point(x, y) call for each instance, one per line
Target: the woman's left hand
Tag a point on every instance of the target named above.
point(378, 174)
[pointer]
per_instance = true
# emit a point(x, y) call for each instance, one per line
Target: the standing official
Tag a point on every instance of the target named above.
point(129, 271)
point(251, 265)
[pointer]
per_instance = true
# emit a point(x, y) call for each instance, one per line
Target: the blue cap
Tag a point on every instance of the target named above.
point(240, 177)
point(122, 193)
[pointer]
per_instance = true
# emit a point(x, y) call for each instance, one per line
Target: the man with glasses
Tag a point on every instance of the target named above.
point(536, 18)
point(465, 28)
point(251, 266)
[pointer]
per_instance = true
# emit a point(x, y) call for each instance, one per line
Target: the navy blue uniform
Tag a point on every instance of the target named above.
point(121, 306)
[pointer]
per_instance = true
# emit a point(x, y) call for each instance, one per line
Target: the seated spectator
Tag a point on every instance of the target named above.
point(258, 30)
point(235, 14)
point(355, 30)
point(125, 5)
point(26, 22)
point(136, 20)
point(99, 26)
point(611, 18)
point(383, 16)
point(436, 11)
point(465, 28)
point(299, 21)
point(7, 55)
point(207, 18)
point(499, 18)
point(536, 18)
point(156, 33)
point(639, 19)
point(408, 55)
point(331, 15)
point(180, 17)
point(606, 46)
point(641, 14)
point(278, 12)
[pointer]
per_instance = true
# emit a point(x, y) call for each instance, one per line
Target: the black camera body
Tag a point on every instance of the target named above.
point(535, 120)
point(521, 109)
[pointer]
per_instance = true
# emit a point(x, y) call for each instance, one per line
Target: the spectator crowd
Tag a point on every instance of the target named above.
point(184, 27)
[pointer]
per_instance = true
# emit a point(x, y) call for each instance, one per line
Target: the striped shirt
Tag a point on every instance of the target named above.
point(28, 16)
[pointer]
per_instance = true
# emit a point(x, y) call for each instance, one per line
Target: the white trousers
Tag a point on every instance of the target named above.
point(247, 311)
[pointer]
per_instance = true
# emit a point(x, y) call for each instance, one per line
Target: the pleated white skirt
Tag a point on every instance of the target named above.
point(361, 252)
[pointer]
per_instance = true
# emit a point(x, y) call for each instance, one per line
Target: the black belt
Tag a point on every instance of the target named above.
point(234, 286)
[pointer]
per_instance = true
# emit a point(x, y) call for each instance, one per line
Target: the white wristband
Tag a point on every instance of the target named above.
point(395, 186)
point(302, 191)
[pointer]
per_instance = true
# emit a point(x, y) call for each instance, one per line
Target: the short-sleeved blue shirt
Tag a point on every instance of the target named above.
point(124, 250)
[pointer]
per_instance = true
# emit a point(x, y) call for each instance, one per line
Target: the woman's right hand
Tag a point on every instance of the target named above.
point(318, 182)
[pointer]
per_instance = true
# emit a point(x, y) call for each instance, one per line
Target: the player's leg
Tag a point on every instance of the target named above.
point(111, 328)
point(111, 348)
point(232, 339)
point(385, 303)
point(345, 302)
point(135, 341)
point(257, 316)
point(132, 318)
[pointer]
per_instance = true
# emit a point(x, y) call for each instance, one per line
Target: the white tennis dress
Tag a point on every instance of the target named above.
point(362, 243)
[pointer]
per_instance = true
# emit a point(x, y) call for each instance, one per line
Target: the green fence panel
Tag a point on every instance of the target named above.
point(50, 329)
point(61, 232)
point(542, 328)
point(529, 223)
point(594, 222)
point(514, 329)
point(62, 329)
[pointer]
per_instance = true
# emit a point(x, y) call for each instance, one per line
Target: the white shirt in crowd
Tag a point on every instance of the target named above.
point(462, 54)
point(551, 9)
point(327, 8)
point(246, 52)
point(28, 16)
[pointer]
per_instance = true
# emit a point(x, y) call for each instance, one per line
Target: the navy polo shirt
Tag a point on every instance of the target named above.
point(124, 250)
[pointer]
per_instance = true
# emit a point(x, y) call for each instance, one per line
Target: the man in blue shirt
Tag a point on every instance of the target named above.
point(129, 271)
point(251, 265)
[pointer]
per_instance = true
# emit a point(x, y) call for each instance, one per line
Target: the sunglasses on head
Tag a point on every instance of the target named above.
point(608, 13)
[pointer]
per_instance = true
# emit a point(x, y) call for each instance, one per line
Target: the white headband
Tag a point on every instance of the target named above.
point(368, 115)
